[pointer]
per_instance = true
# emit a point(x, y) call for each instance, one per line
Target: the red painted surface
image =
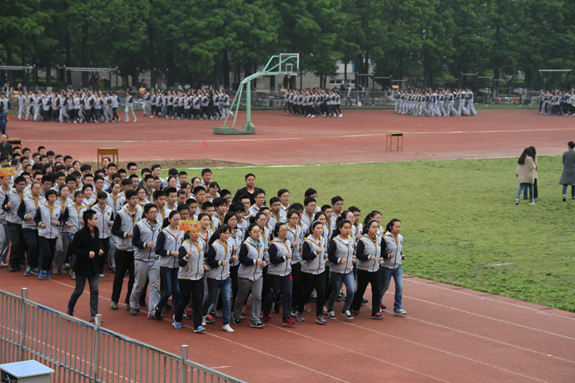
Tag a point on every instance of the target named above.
point(356, 137)
point(450, 334)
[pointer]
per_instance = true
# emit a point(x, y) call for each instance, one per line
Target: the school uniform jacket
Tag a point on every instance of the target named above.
point(313, 262)
point(124, 223)
point(191, 268)
point(29, 207)
point(144, 232)
point(367, 248)
point(338, 250)
point(279, 264)
point(12, 212)
point(218, 253)
point(166, 243)
point(45, 214)
point(73, 215)
point(105, 215)
point(295, 235)
point(249, 254)
point(394, 245)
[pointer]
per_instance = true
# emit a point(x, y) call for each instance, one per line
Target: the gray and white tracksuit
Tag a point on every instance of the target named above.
point(147, 263)
point(250, 278)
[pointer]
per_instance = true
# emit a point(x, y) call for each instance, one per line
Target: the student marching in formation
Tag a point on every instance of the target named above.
point(312, 103)
point(77, 106)
point(286, 255)
point(557, 103)
point(435, 103)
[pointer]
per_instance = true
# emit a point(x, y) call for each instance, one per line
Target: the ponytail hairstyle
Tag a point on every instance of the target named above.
point(338, 220)
point(319, 214)
point(249, 230)
point(312, 226)
point(366, 226)
point(339, 224)
point(370, 216)
point(389, 225)
point(222, 229)
point(276, 230)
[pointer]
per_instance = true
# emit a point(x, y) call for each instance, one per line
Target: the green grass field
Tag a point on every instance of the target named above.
point(460, 222)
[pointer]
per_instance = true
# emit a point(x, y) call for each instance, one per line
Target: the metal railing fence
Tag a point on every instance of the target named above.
point(80, 351)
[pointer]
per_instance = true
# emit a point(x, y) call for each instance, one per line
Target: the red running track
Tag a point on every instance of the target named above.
point(358, 136)
point(451, 334)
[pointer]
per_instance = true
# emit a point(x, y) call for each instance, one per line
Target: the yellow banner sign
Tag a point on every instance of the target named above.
point(189, 225)
point(6, 172)
point(395, 86)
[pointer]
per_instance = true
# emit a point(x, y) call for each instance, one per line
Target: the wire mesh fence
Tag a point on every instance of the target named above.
point(80, 351)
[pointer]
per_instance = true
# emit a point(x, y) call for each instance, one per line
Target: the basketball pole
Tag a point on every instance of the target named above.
point(249, 127)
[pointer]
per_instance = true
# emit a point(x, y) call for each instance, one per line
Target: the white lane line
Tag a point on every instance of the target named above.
point(486, 298)
point(445, 352)
point(484, 338)
point(491, 318)
point(362, 354)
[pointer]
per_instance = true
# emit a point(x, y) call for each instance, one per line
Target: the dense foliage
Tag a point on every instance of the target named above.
point(432, 41)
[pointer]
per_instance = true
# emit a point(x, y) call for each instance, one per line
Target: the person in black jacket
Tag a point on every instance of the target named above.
point(250, 190)
point(88, 249)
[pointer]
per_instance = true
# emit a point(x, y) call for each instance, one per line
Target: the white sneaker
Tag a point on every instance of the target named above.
point(135, 120)
point(227, 328)
point(204, 321)
point(126, 120)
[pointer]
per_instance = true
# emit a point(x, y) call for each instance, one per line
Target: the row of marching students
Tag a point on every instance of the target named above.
point(288, 260)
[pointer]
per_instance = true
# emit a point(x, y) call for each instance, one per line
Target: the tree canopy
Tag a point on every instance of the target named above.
point(429, 41)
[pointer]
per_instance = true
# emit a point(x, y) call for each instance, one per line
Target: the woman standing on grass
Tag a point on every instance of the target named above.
point(568, 175)
point(525, 168)
point(535, 191)
point(392, 264)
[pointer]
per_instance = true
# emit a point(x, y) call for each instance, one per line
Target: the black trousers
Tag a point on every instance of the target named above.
point(106, 245)
point(47, 250)
point(18, 244)
point(310, 282)
point(297, 287)
point(195, 291)
point(94, 281)
point(115, 115)
point(363, 279)
point(535, 193)
point(124, 262)
point(279, 284)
